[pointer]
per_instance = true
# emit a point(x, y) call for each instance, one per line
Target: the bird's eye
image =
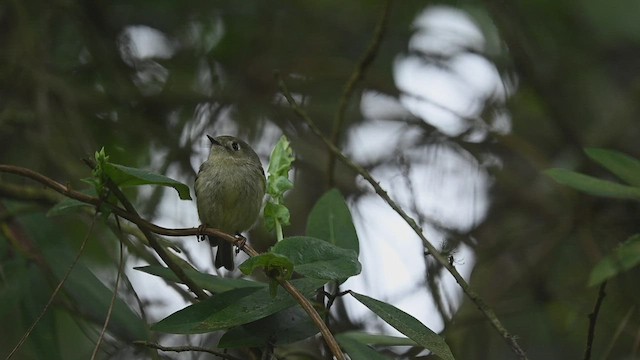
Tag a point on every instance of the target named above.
point(235, 146)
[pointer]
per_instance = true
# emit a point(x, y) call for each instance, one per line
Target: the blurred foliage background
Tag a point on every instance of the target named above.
point(148, 79)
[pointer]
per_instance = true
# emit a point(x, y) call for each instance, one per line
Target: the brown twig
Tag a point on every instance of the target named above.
point(440, 258)
point(356, 76)
point(593, 318)
point(315, 317)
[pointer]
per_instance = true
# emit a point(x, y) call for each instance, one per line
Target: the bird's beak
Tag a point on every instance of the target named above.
point(214, 141)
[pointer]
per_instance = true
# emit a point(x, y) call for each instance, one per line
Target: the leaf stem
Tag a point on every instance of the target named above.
point(279, 235)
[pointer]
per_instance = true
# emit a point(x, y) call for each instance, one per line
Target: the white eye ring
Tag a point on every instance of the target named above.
point(235, 146)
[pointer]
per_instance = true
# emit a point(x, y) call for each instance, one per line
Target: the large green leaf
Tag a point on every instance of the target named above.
point(621, 259)
point(232, 308)
point(127, 176)
point(215, 284)
point(319, 259)
point(379, 339)
point(592, 185)
point(92, 298)
point(331, 220)
point(623, 166)
point(284, 327)
point(407, 325)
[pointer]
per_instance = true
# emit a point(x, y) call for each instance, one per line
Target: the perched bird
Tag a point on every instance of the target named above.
point(230, 186)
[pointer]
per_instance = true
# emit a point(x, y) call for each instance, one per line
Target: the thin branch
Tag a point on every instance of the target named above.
point(593, 318)
point(112, 303)
point(185, 348)
point(55, 291)
point(356, 76)
point(315, 317)
point(473, 296)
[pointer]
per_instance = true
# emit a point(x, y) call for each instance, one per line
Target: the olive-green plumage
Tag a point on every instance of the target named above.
point(229, 187)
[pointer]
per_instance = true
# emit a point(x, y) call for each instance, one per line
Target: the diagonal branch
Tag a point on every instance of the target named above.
point(440, 258)
point(356, 76)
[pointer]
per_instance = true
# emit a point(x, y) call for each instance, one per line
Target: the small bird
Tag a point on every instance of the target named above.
point(229, 186)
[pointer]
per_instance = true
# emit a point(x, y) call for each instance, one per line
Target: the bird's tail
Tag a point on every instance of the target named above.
point(224, 254)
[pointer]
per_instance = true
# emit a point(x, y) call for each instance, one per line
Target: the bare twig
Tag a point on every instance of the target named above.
point(593, 318)
point(185, 348)
point(356, 76)
point(112, 303)
point(55, 291)
point(473, 296)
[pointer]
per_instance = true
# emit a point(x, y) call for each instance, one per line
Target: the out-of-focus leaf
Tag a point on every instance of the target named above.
point(592, 185)
point(43, 339)
point(93, 298)
point(621, 259)
point(215, 284)
point(331, 220)
point(358, 350)
point(127, 176)
point(407, 325)
point(623, 166)
point(284, 327)
point(69, 205)
point(232, 308)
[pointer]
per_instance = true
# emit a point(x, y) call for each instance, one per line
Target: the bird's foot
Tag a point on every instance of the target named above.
point(239, 242)
point(200, 236)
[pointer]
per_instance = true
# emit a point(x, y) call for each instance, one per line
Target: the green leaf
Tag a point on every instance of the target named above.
point(232, 308)
point(331, 220)
point(358, 350)
point(407, 325)
point(592, 185)
point(284, 327)
point(379, 339)
point(281, 158)
point(92, 298)
point(319, 259)
point(67, 206)
point(273, 264)
point(127, 176)
point(623, 166)
point(215, 284)
point(274, 211)
point(279, 185)
point(621, 259)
